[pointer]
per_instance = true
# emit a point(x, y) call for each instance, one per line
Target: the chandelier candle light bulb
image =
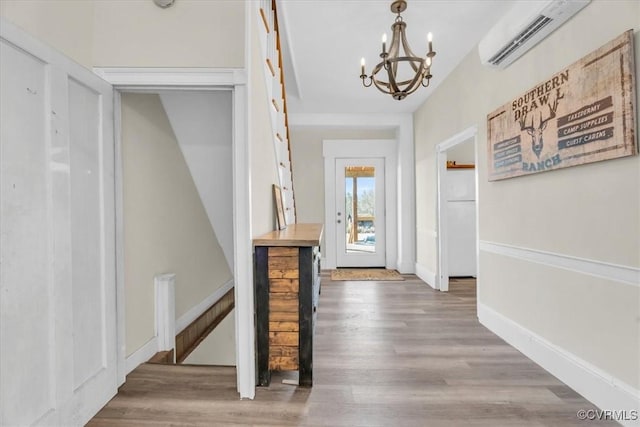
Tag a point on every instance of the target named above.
point(394, 60)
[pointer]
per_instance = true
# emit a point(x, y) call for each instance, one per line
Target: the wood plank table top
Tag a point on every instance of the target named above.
point(293, 235)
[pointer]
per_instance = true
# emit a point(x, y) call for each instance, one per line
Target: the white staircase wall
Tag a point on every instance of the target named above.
point(202, 124)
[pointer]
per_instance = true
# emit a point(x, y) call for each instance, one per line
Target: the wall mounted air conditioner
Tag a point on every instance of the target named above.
point(522, 27)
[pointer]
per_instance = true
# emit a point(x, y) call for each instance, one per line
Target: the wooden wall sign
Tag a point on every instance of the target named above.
point(583, 114)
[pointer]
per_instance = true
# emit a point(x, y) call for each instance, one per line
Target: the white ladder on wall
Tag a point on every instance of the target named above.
point(274, 75)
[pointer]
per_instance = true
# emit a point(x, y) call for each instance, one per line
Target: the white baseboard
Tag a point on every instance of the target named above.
point(600, 388)
point(197, 310)
point(141, 355)
point(426, 275)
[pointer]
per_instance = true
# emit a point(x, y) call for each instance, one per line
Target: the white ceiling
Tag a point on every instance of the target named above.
point(323, 41)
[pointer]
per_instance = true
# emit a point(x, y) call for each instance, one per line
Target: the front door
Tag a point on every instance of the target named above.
point(360, 212)
point(57, 237)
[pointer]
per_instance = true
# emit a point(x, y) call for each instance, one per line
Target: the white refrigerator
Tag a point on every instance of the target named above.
point(461, 215)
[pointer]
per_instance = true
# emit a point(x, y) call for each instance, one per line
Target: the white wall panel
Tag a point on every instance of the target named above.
point(57, 287)
point(25, 277)
point(86, 240)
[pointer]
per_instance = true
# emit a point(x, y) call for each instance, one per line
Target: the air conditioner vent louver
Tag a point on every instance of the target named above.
point(522, 26)
point(521, 38)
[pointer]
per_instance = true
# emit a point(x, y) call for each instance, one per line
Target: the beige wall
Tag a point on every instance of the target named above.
point(590, 211)
point(463, 154)
point(136, 33)
point(191, 33)
point(166, 229)
point(66, 25)
point(219, 348)
point(264, 171)
point(308, 166)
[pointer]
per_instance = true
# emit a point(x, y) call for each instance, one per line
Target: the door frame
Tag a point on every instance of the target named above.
point(202, 79)
point(363, 260)
point(354, 148)
point(442, 281)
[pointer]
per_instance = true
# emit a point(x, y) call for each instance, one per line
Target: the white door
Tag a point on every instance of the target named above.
point(57, 283)
point(360, 213)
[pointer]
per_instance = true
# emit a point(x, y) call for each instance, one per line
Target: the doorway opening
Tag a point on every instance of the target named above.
point(457, 208)
point(234, 82)
point(178, 219)
point(361, 210)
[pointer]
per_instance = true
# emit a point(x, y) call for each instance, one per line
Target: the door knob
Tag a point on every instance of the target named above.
point(339, 221)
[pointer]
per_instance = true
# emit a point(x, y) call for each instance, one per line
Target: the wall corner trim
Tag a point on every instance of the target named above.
point(597, 386)
point(165, 309)
point(457, 139)
point(406, 266)
point(426, 275)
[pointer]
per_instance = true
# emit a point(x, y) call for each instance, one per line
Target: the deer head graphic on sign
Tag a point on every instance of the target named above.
point(537, 132)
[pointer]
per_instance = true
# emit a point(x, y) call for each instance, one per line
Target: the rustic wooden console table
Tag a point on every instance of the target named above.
point(287, 287)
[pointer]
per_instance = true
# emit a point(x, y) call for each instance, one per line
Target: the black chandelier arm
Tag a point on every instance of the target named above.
point(364, 79)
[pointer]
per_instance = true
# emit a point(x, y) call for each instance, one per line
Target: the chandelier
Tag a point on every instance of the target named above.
point(403, 74)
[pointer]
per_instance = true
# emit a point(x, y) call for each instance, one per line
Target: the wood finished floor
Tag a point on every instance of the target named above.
point(385, 354)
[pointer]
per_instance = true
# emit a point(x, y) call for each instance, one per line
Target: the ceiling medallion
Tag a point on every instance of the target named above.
point(403, 74)
point(164, 3)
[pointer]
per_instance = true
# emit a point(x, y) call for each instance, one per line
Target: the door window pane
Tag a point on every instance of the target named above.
point(360, 224)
